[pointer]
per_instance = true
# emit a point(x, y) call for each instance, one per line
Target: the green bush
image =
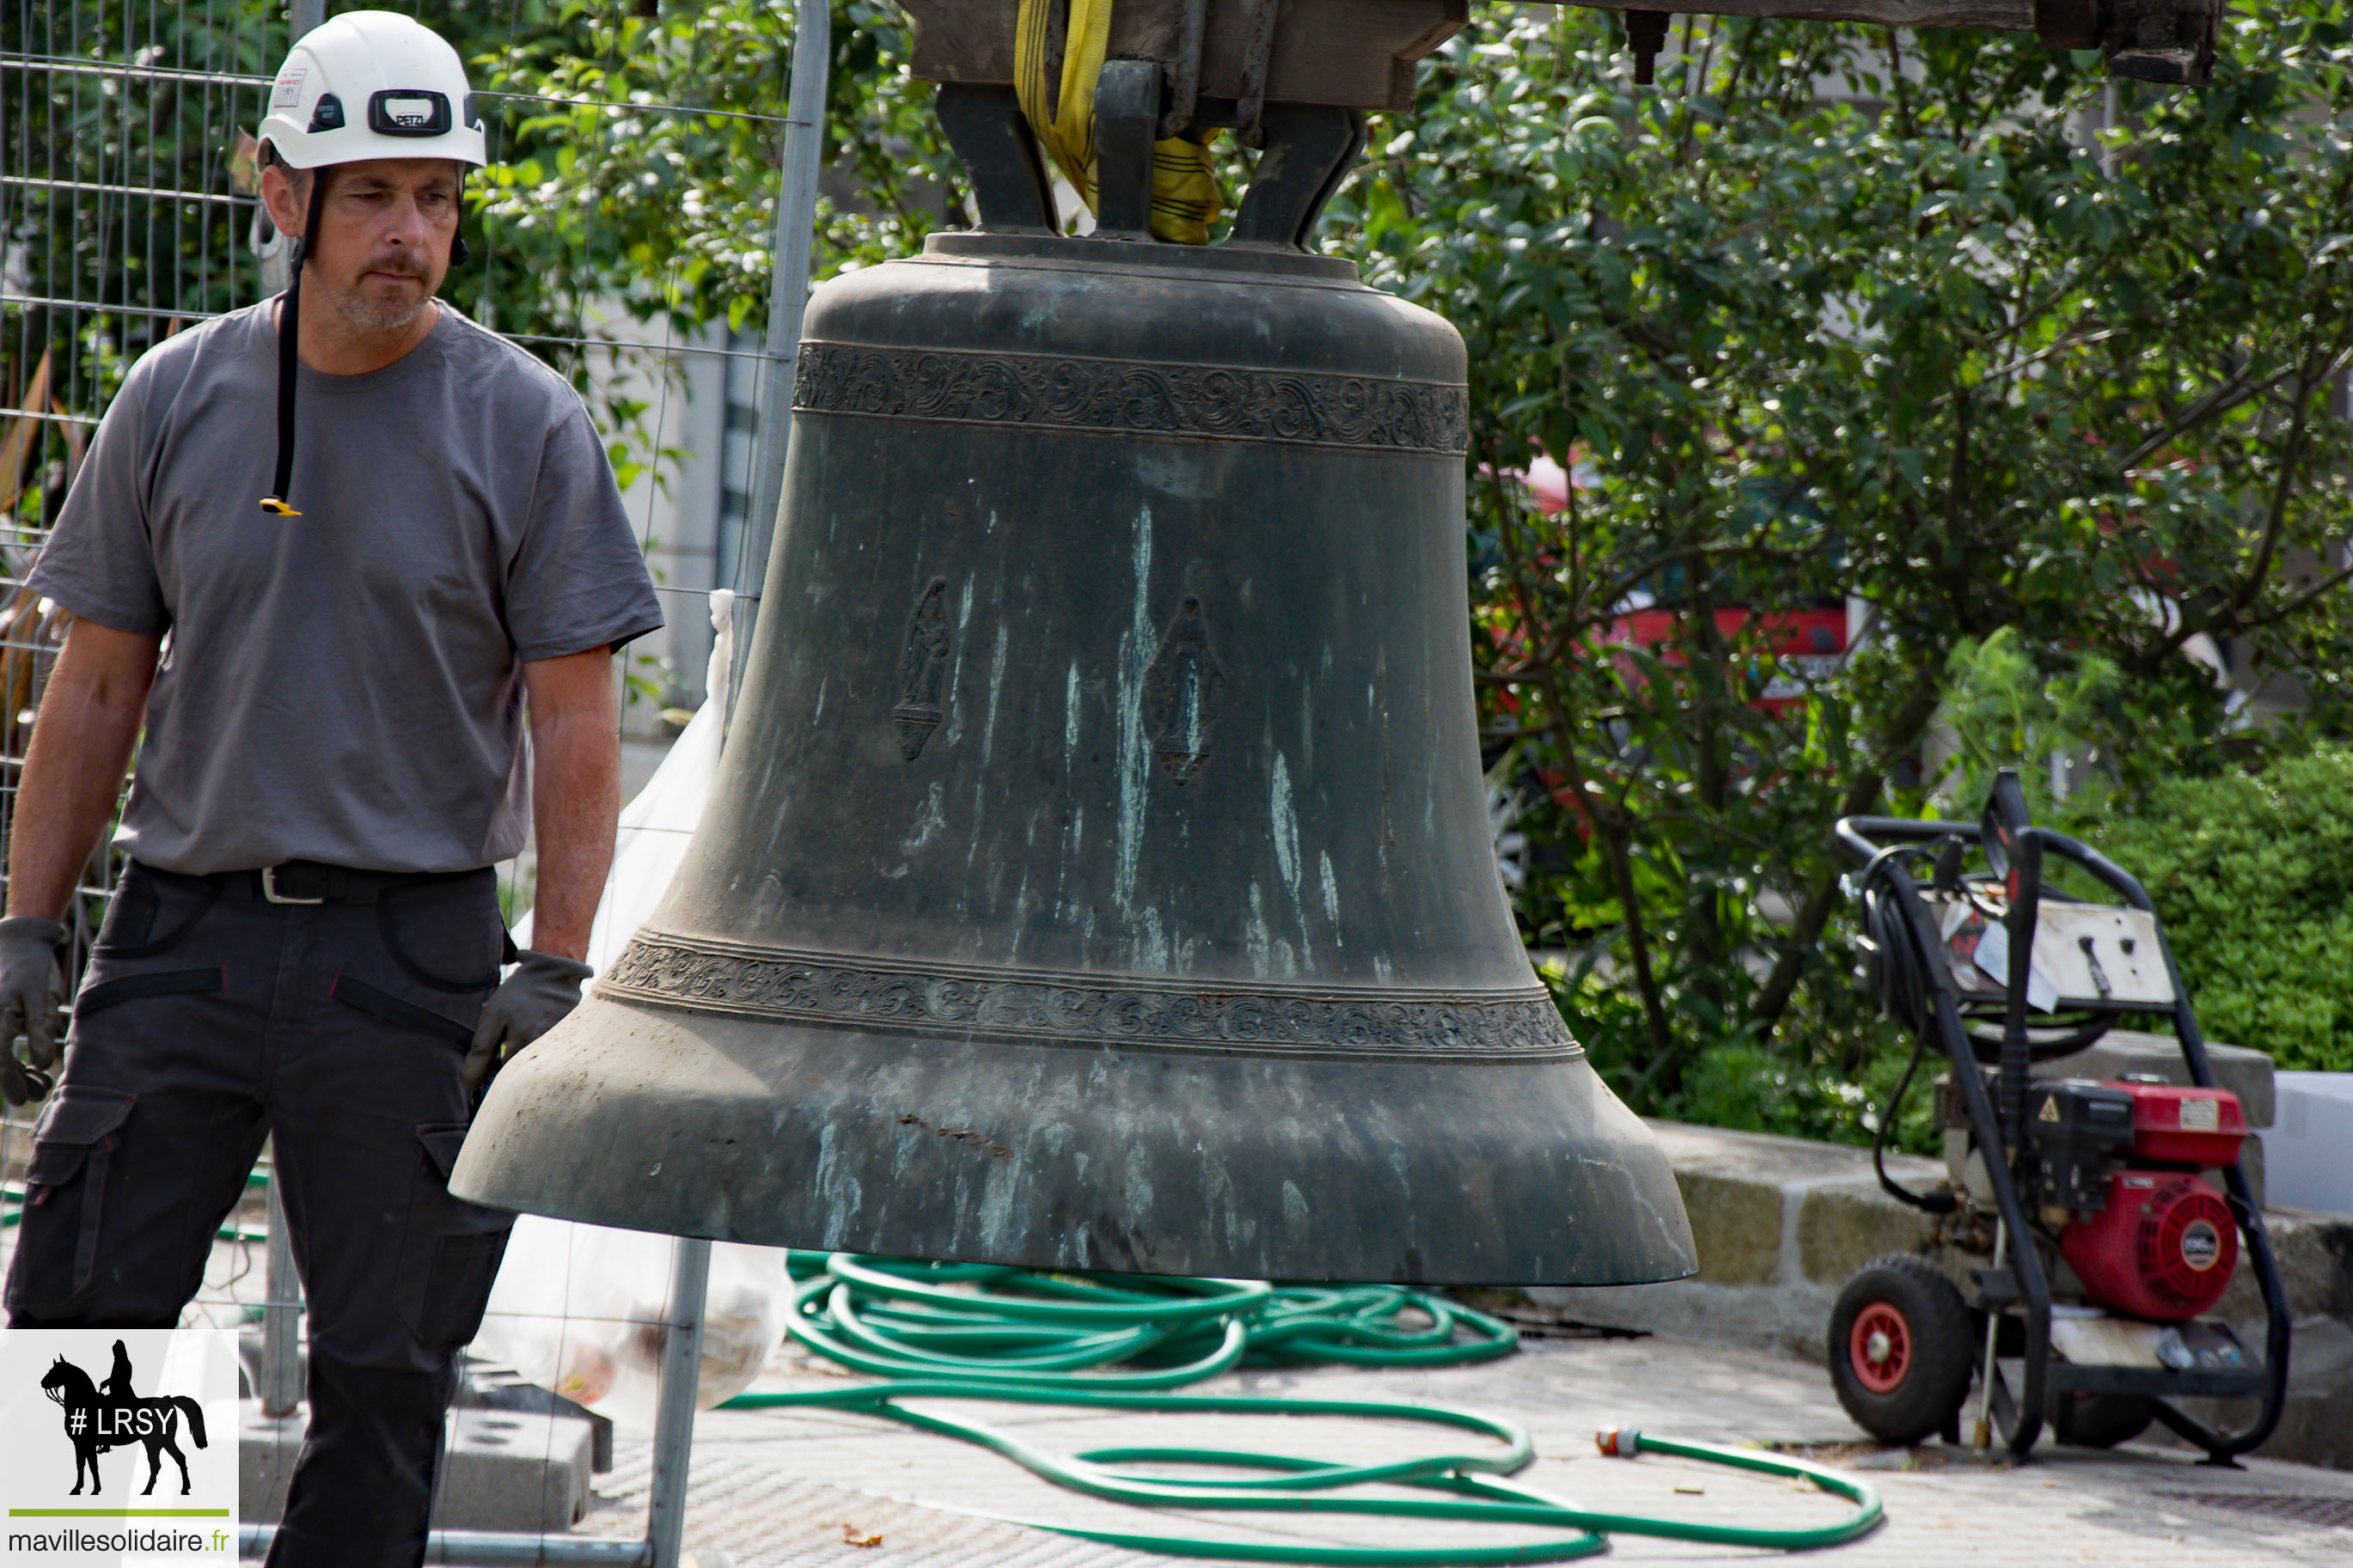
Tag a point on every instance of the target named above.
point(2251, 874)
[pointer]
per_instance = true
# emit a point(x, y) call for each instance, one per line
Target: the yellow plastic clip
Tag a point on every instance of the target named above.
point(277, 507)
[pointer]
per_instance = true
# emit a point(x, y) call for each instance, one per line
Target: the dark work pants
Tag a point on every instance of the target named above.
point(208, 1021)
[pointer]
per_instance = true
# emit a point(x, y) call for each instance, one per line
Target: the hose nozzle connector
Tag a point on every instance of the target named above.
point(1619, 1442)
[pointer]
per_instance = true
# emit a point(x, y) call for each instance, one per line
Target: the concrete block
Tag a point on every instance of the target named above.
point(1843, 1225)
point(1780, 1224)
point(2314, 1253)
point(2254, 1164)
point(503, 1470)
point(1736, 1224)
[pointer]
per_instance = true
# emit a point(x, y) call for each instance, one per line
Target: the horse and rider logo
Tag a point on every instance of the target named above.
point(111, 1416)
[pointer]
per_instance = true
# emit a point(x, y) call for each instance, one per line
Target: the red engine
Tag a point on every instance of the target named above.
point(2148, 1235)
point(2162, 1249)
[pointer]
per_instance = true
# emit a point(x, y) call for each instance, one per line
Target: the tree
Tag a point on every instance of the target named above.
point(1940, 346)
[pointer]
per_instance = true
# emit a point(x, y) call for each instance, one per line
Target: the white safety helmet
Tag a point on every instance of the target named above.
point(371, 84)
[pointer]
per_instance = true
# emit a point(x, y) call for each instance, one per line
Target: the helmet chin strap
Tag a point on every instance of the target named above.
point(290, 333)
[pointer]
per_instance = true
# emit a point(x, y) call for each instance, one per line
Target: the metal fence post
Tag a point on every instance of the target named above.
point(681, 1378)
point(787, 300)
point(281, 1314)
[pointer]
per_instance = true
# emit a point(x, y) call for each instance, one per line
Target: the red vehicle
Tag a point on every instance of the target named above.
point(1804, 644)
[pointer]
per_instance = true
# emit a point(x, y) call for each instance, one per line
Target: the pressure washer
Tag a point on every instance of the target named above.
point(2092, 1226)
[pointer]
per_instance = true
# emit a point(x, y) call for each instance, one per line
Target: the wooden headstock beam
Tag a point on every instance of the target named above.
point(1360, 54)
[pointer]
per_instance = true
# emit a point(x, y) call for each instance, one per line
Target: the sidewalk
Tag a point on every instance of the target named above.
point(798, 1488)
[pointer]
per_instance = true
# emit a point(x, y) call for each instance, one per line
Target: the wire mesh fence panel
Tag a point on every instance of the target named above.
point(129, 214)
point(121, 223)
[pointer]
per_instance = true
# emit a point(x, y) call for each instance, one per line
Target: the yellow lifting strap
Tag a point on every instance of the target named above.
point(1184, 187)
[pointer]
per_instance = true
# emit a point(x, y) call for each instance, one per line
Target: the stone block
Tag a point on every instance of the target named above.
point(1735, 1223)
point(1843, 1225)
point(2251, 1162)
point(504, 1470)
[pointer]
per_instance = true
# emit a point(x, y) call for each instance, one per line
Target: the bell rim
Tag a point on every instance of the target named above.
point(858, 1141)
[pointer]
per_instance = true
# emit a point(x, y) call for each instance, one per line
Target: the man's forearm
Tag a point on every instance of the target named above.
point(88, 722)
point(575, 803)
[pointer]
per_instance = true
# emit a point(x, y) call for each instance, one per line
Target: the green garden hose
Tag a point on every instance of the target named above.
point(951, 1331)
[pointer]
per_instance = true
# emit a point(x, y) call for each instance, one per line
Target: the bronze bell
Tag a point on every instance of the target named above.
point(1099, 874)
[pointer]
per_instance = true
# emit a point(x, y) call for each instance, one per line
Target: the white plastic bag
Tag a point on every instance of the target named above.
point(577, 1308)
point(580, 1310)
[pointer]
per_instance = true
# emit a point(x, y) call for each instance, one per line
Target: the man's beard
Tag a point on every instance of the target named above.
point(389, 316)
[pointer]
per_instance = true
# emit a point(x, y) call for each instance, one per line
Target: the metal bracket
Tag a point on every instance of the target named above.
point(1308, 150)
point(1646, 34)
point(2169, 41)
point(1127, 114)
point(1000, 158)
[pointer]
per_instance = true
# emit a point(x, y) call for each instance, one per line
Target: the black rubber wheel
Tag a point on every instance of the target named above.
point(1899, 1349)
point(2100, 1420)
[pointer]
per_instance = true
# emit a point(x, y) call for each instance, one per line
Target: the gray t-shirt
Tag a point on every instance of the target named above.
point(343, 686)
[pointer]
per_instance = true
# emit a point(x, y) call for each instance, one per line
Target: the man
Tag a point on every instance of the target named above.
point(307, 944)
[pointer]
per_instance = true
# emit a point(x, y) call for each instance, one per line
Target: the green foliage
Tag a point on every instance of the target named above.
point(65, 134)
point(638, 162)
point(632, 189)
point(2004, 712)
point(2252, 875)
point(2041, 402)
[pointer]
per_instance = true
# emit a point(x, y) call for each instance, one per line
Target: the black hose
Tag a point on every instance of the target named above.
point(1934, 1203)
point(1900, 974)
point(1901, 978)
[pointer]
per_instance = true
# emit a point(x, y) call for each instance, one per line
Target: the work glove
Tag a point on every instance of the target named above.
point(527, 1003)
point(32, 995)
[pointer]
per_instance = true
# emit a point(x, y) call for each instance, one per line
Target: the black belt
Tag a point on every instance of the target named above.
point(309, 882)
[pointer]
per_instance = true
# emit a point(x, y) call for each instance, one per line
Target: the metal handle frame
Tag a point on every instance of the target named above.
point(1863, 838)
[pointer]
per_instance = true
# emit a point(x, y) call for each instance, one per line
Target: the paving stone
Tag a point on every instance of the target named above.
point(785, 1488)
